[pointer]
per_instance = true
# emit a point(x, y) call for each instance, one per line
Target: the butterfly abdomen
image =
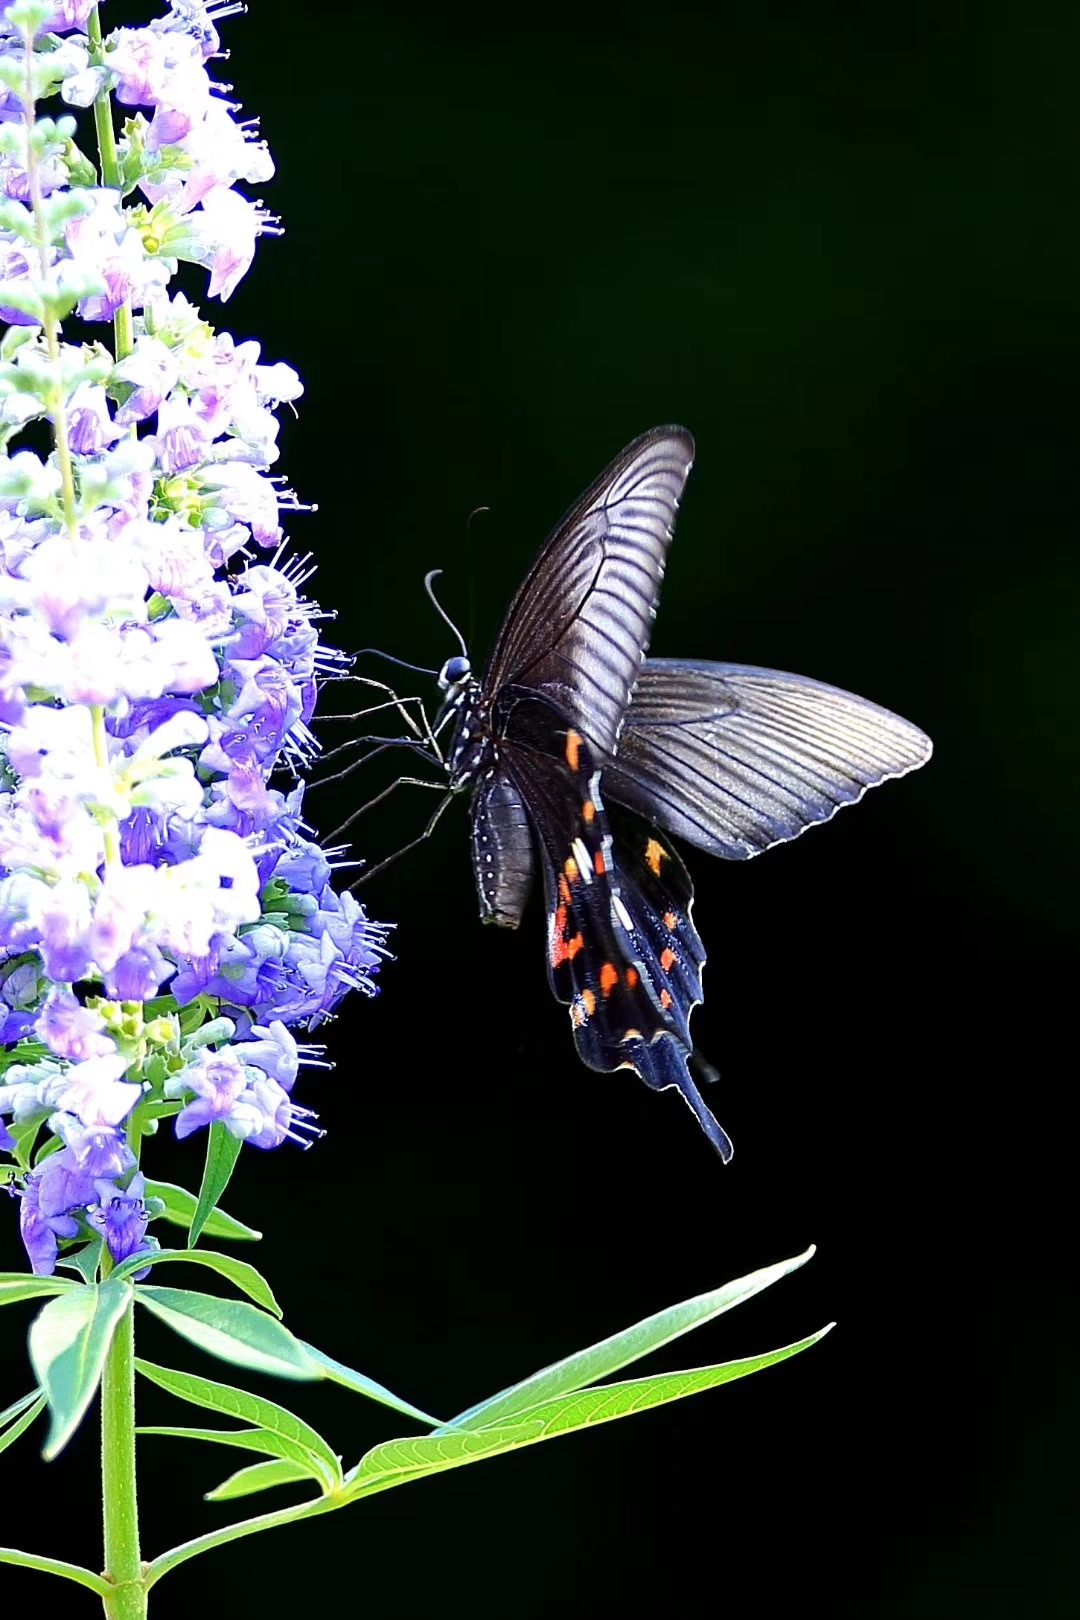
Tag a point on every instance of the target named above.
point(502, 849)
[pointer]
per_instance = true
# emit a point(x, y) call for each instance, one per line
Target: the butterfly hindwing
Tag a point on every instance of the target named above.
point(622, 951)
point(735, 759)
point(652, 904)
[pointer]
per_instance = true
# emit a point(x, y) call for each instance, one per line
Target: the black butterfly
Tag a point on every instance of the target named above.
point(585, 754)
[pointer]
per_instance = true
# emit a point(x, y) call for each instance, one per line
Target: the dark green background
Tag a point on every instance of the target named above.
point(844, 250)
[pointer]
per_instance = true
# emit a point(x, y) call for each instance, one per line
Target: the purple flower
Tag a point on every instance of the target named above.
point(273, 1050)
point(265, 1117)
point(218, 1080)
point(50, 1196)
point(95, 1091)
point(121, 1217)
point(40, 1231)
point(153, 676)
point(245, 971)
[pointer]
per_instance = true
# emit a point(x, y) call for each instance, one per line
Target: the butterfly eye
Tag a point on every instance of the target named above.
point(453, 672)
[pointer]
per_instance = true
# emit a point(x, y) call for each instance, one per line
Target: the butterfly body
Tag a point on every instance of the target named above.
point(582, 755)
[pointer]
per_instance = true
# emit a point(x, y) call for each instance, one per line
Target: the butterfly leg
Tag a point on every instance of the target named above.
point(419, 725)
point(399, 781)
point(383, 744)
point(413, 843)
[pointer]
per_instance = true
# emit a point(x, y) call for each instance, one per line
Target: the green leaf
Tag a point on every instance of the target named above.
point(18, 1406)
point(274, 1445)
point(396, 1461)
point(85, 1261)
point(24, 1137)
point(180, 1207)
point(69, 1341)
point(237, 1271)
point(222, 1151)
point(259, 1477)
point(57, 1566)
point(16, 1285)
point(29, 1406)
point(338, 1373)
point(231, 1330)
point(606, 1357)
point(240, 1403)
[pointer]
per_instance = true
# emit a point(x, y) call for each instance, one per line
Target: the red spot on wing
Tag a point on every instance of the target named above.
point(609, 978)
point(668, 959)
point(562, 948)
point(598, 863)
point(631, 976)
point(666, 999)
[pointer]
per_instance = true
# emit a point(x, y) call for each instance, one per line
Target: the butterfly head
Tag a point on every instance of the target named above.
point(455, 675)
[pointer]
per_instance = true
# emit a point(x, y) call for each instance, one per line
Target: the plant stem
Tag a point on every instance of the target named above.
point(123, 1566)
point(123, 329)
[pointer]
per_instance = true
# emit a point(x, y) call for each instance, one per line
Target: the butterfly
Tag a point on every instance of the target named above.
point(584, 757)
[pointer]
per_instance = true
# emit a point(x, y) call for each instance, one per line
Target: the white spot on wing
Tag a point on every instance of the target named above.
point(622, 914)
point(584, 863)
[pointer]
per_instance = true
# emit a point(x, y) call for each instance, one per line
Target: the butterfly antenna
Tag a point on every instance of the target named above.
point(441, 611)
point(377, 652)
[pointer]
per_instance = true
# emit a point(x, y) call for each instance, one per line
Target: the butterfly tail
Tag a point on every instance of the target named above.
point(664, 1063)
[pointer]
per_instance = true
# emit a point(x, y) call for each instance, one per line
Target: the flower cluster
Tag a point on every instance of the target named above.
point(165, 913)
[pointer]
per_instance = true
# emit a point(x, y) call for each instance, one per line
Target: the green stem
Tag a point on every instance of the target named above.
point(123, 1565)
point(123, 325)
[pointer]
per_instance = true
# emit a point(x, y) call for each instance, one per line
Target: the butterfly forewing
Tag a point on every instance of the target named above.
point(580, 623)
point(735, 759)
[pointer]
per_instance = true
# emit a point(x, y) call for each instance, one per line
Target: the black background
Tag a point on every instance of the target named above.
point(844, 250)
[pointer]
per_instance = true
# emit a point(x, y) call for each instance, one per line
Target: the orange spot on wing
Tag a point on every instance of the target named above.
point(564, 891)
point(571, 870)
point(598, 863)
point(582, 1007)
point(573, 748)
point(631, 976)
point(609, 978)
point(588, 810)
point(666, 999)
point(563, 949)
point(668, 959)
point(655, 855)
point(671, 920)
